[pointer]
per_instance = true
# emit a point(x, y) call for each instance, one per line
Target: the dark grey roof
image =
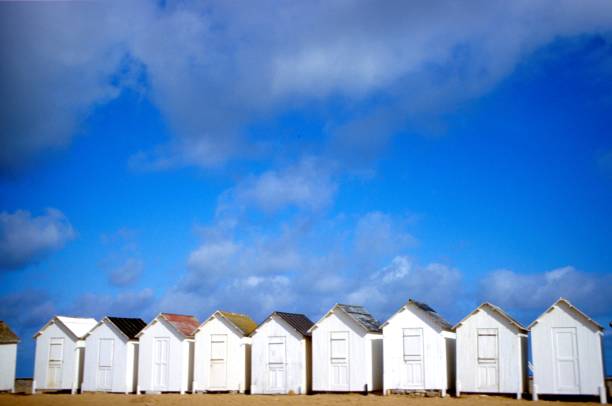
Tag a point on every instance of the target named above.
point(298, 321)
point(128, 326)
point(433, 315)
point(362, 317)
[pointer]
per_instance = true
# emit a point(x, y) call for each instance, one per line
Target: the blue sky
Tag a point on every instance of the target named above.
point(186, 157)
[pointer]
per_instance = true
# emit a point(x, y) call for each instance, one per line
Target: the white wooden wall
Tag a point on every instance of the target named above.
point(236, 361)
point(435, 372)
point(122, 361)
point(70, 377)
point(589, 353)
point(296, 367)
point(362, 370)
point(8, 361)
point(180, 366)
point(511, 367)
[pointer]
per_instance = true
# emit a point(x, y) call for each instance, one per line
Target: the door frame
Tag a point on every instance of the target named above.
point(493, 389)
point(60, 365)
point(109, 369)
point(155, 384)
point(280, 366)
point(211, 361)
point(406, 362)
point(347, 361)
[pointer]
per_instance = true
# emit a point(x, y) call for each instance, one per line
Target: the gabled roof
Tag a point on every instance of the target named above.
point(572, 307)
point(428, 311)
point(6, 334)
point(77, 326)
point(497, 310)
point(183, 324)
point(128, 326)
point(299, 322)
point(358, 314)
point(241, 322)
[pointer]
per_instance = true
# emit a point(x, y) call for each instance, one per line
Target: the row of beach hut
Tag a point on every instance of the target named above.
point(347, 350)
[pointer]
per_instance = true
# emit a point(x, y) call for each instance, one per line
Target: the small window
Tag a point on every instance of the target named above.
point(106, 352)
point(276, 350)
point(218, 347)
point(338, 347)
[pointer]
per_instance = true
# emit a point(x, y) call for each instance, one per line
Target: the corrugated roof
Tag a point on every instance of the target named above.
point(361, 316)
point(79, 326)
point(433, 315)
point(298, 321)
point(7, 336)
point(184, 324)
point(128, 326)
point(499, 311)
point(241, 321)
point(572, 307)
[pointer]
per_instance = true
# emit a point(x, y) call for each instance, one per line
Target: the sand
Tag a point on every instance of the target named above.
point(99, 399)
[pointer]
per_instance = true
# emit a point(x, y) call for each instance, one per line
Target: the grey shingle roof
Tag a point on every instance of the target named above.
point(298, 321)
point(128, 326)
point(362, 317)
point(433, 315)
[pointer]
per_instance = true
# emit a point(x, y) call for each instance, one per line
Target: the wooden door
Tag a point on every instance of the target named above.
point(339, 361)
point(488, 360)
point(161, 356)
point(567, 374)
point(218, 361)
point(413, 358)
point(277, 365)
point(56, 363)
point(106, 350)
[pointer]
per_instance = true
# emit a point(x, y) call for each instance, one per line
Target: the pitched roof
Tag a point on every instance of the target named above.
point(128, 326)
point(298, 321)
point(429, 312)
point(358, 314)
point(77, 326)
point(6, 334)
point(497, 310)
point(241, 321)
point(562, 300)
point(184, 324)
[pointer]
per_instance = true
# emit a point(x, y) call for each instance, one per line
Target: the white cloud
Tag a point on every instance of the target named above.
point(213, 71)
point(126, 273)
point(532, 293)
point(307, 185)
point(25, 239)
point(139, 303)
point(122, 263)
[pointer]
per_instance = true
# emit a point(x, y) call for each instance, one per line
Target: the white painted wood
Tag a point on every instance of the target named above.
point(567, 352)
point(8, 362)
point(222, 357)
point(110, 360)
point(164, 359)
point(59, 354)
point(344, 356)
point(491, 354)
point(418, 354)
point(280, 359)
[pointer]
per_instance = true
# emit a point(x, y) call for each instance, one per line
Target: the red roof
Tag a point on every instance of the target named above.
point(186, 325)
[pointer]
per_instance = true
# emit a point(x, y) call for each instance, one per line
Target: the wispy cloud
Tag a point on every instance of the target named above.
point(27, 239)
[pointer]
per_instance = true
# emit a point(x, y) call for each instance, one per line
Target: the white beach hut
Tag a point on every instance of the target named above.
point(567, 352)
point(491, 352)
point(60, 350)
point(8, 357)
point(111, 355)
point(223, 353)
point(346, 351)
point(281, 355)
point(418, 350)
point(165, 354)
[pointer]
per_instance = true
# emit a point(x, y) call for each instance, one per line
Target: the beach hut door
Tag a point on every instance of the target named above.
point(160, 363)
point(566, 361)
point(276, 364)
point(105, 363)
point(218, 361)
point(488, 359)
point(56, 363)
point(339, 351)
point(413, 357)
